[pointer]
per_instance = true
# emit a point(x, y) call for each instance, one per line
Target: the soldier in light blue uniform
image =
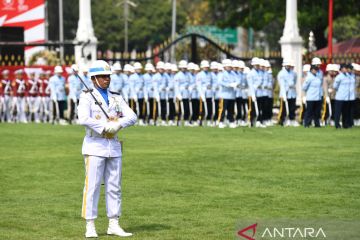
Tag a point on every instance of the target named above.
point(245, 97)
point(126, 89)
point(287, 82)
point(133, 101)
point(215, 68)
point(138, 81)
point(254, 81)
point(260, 93)
point(161, 82)
point(116, 83)
point(344, 85)
point(58, 95)
point(312, 86)
point(75, 86)
point(239, 99)
point(268, 89)
point(194, 94)
point(204, 85)
point(319, 74)
point(169, 75)
point(85, 77)
point(181, 85)
point(227, 84)
point(150, 93)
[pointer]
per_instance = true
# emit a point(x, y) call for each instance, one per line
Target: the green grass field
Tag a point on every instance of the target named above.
point(179, 183)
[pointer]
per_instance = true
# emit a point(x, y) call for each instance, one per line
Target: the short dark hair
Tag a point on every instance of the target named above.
point(313, 67)
point(343, 65)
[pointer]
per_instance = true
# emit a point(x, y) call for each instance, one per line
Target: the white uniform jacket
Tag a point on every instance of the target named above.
point(96, 143)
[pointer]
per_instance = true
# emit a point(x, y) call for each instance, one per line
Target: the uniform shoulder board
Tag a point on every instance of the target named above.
point(117, 93)
point(86, 91)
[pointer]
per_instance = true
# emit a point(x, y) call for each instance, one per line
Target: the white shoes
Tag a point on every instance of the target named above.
point(63, 122)
point(287, 123)
point(194, 124)
point(268, 123)
point(222, 125)
point(186, 124)
point(232, 125)
point(259, 124)
point(242, 123)
point(295, 123)
point(115, 229)
point(90, 229)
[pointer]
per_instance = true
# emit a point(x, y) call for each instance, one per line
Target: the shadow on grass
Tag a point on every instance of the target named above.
point(149, 228)
point(141, 228)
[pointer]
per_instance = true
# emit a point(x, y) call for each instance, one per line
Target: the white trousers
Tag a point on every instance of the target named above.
point(7, 108)
point(45, 106)
point(2, 108)
point(34, 105)
point(20, 103)
point(97, 169)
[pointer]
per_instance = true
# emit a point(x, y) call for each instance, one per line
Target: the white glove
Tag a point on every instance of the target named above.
point(158, 98)
point(328, 100)
point(304, 100)
point(330, 90)
point(253, 98)
point(146, 98)
point(112, 127)
point(203, 98)
point(135, 98)
point(179, 97)
point(285, 100)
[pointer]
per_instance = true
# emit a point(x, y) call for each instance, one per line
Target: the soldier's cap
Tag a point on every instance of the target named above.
point(99, 67)
point(19, 71)
point(356, 67)
point(5, 72)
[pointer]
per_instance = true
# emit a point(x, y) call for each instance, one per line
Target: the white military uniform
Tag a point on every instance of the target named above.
point(102, 152)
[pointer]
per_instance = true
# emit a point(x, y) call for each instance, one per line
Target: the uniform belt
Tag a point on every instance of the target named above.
point(104, 135)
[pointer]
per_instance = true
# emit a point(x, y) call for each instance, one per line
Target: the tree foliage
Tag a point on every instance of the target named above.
point(264, 14)
point(150, 22)
point(345, 28)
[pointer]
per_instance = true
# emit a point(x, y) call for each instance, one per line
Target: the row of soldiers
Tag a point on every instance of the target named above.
point(37, 96)
point(212, 94)
point(331, 98)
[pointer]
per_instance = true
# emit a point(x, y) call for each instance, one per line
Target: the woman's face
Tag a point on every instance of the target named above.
point(103, 81)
